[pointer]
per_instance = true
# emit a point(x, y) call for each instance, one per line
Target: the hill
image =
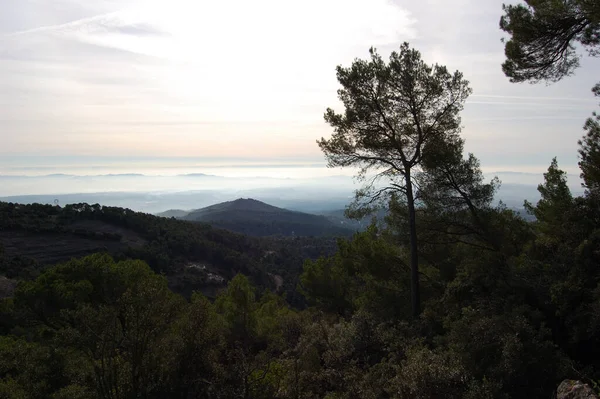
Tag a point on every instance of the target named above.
point(193, 256)
point(252, 217)
point(173, 213)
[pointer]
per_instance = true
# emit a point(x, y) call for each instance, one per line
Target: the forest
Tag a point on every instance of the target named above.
point(35, 236)
point(455, 296)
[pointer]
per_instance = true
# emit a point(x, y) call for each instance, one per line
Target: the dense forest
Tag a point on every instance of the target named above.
point(455, 296)
point(193, 256)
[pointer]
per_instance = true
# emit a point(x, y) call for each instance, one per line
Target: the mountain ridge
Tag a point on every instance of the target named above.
point(254, 217)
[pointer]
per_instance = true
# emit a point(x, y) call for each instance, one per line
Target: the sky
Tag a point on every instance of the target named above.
point(132, 85)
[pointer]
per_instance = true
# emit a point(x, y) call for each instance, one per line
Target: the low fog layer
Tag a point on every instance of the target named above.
point(155, 194)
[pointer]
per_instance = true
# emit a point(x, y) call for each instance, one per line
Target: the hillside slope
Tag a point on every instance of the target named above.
point(193, 256)
point(252, 217)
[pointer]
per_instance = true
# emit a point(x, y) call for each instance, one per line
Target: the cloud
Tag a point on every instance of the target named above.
point(141, 29)
point(90, 24)
point(128, 80)
point(186, 78)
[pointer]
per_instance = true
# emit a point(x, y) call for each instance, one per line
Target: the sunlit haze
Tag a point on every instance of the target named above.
point(238, 88)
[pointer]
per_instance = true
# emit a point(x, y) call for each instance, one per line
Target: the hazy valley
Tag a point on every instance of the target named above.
point(156, 194)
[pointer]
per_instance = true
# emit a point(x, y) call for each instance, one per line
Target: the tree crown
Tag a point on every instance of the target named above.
point(543, 33)
point(394, 111)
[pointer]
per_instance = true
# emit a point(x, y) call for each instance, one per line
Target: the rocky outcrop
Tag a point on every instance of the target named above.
point(572, 389)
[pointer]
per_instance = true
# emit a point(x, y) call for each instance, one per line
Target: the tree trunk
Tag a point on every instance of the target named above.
point(414, 255)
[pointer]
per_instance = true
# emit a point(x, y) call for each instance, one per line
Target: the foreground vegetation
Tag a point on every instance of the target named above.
point(504, 318)
point(510, 308)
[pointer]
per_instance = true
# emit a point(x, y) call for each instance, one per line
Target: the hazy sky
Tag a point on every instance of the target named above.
point(251, 79)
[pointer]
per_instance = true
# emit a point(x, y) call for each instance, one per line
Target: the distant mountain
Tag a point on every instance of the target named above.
point(199, 175)
point(252, 217)
point(173, 213)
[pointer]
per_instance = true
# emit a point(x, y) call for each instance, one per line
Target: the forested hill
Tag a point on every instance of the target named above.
point(252, 217)
point(194, 256)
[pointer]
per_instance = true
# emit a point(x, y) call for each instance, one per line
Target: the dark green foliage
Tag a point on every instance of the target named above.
point(543, 37)
point(589, 152)
point(396, 115)
point(99, 328)
point(35, 236)
point(557, 269)
point(556, 200)
point(367, 272)
point(508, 306)
point(30, 370)
point(115, 315)
point(456, 202)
